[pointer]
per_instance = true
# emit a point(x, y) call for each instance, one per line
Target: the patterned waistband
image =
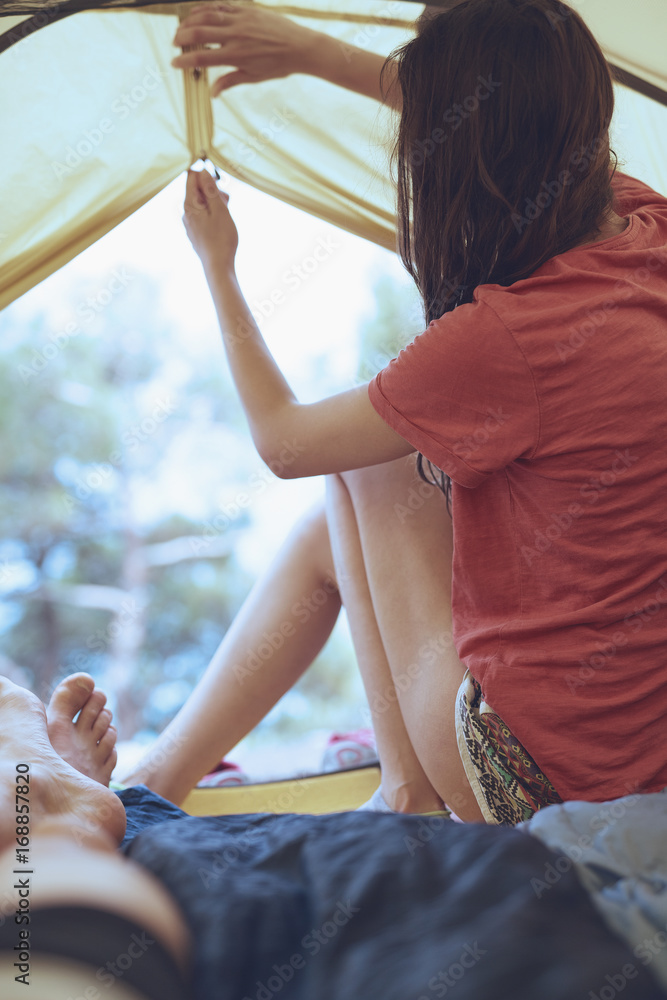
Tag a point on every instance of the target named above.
point(508, 784)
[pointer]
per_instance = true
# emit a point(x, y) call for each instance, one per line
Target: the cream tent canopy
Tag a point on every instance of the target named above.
point(95, 121)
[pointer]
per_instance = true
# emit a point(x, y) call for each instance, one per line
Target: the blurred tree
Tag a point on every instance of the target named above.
point(89, 420)
point(121, 464)
point(397, 319)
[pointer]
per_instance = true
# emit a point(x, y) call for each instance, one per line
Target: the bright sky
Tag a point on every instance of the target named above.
point(321, 303)
point(314, 328)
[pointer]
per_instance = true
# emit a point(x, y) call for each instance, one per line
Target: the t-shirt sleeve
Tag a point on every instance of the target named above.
point(463, 394)
point(632, 195)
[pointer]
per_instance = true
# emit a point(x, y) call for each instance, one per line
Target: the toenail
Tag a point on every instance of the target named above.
point(83, 684)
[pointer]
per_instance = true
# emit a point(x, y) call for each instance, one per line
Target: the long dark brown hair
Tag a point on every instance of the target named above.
point(502, 156)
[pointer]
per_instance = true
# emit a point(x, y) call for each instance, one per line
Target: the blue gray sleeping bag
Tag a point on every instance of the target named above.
point(358, 906)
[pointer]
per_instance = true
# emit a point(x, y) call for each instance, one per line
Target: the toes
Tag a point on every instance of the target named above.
point(91, 711)
point(70, 696)
point(110, 763)
point(107, 744)
point(107, 769)
point(101, 724)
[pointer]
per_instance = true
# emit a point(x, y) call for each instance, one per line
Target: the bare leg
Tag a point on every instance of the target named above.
point(89, 744)
point(57, 792)
point(75, 826)
point(405, 786)
point(278, 632)
point(407, 557)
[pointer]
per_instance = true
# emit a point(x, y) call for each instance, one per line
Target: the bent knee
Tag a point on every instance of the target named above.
point(314, 536)
point(379, 478)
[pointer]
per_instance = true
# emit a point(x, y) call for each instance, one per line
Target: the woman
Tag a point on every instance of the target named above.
point(536, 395)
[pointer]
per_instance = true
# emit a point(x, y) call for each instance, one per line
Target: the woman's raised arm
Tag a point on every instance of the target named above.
point(262, 45)
point(295, 440)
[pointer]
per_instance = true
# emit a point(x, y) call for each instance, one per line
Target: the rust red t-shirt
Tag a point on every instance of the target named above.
point(546, 403)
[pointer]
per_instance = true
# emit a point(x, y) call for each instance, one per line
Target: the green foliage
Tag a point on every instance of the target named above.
point(397, 319)
point(117, 451)
point(89, 421)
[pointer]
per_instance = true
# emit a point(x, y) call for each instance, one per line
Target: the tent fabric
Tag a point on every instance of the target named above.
point(95, 122)
point(339, 791)
point(99, 122)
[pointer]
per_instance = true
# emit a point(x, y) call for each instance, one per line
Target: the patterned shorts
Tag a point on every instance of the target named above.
point(508, 784)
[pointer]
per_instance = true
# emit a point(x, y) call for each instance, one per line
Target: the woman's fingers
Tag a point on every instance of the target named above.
point(260, 42)
point(213, 8)
point(203, 57)
point(200, 57)
point(201, 34)
point(195, 195)
point(229, 80)
point(207, 221)
point(201, 191)
point(206, 26)
point(207, 16)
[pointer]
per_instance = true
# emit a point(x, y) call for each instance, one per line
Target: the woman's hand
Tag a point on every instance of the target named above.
point(260, 44)
point(208, 223)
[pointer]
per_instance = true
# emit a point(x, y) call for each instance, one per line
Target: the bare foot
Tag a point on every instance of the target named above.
point(59, 797)
point(89, 744)
point(409, 797)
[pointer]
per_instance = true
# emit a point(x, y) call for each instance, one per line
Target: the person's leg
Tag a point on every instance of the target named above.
point(276, 635)
point(404, 786)
point(53, 784)
point(403, 533)
point(89, 744)
point(75, 825)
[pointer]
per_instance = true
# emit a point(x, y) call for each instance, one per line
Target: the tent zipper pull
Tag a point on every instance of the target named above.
point(210, 166)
